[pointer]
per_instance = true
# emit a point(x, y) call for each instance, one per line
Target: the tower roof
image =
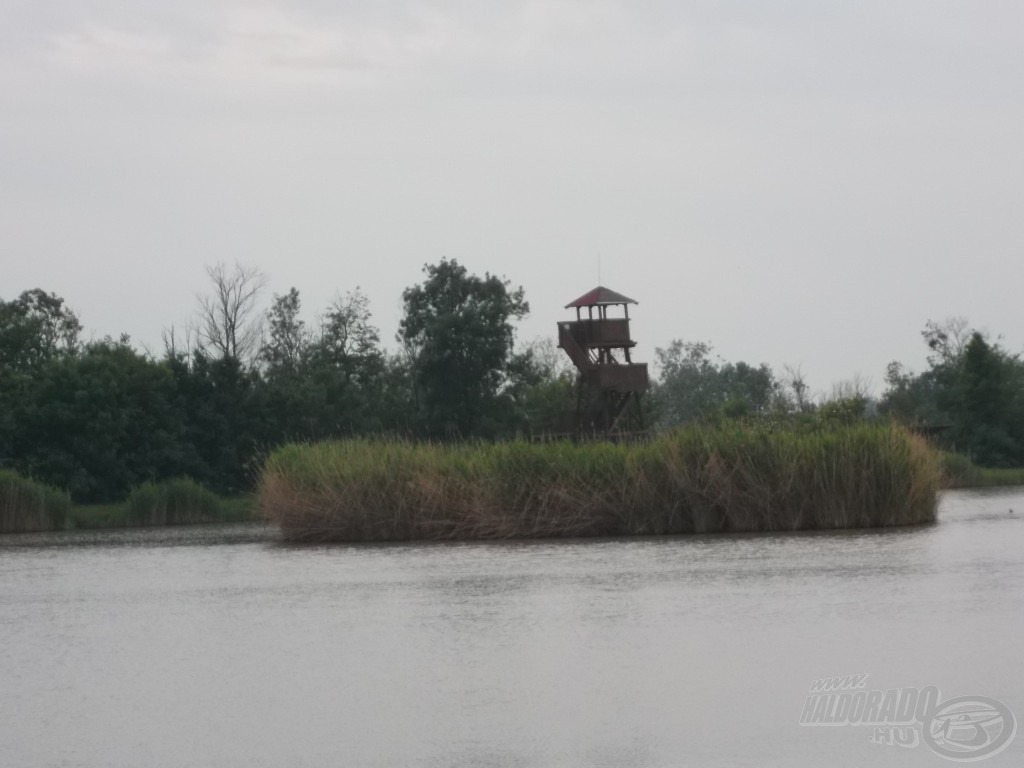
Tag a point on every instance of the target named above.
point(600, 296)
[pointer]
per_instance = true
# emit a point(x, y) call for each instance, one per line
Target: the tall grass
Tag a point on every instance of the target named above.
point(27, 505)
point(171, 502)
point(728, 478)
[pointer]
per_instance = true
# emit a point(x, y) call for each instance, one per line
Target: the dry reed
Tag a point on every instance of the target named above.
point(729, 478)
point(180, 501)
point(27, 505)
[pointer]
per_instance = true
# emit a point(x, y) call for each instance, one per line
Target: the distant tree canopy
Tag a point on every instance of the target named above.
point(34, 328)
point(100, 417)
point(694, 387)
point(972, 387)
point(459, 335)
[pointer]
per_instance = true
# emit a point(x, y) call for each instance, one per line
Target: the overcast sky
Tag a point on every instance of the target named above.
point(802, 182)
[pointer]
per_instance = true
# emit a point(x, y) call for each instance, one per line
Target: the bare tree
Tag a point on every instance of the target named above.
point(229, 323)
point(173, 348)
point(795, 382)
point(947, 340)
point(858, 387)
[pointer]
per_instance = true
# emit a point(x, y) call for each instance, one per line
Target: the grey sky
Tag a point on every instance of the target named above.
point(795, 182)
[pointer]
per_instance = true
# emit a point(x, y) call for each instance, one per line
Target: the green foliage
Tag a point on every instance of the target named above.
point(725, 478)
point(458, 330)
point(101, 418)
point(287, 343)
point(99, 422)
point(222, 407)
point(232, 509)
point(27, 505)
point(960, 472)
point(34, 328)
point(179, 501)
point(694, 388)
point(542, 389)
point(330, 382)
point(973, 388)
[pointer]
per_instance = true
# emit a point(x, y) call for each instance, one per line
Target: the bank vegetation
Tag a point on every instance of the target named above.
point(727, 478)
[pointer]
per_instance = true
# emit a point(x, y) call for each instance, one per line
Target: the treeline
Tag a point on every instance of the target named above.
point(100, 417)
point(969, 400)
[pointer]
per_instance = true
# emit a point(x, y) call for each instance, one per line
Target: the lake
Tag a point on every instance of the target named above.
point(220, 646)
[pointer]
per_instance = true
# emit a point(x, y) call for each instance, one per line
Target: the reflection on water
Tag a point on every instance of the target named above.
point(220, 646)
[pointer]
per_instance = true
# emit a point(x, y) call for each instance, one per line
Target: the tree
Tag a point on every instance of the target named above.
point(987, 404)
point(794, 393)
point(973, 389)
point(345, 367)
point(228, 321)
point(224, 412)
point(947, 340)
point(542, 388)
point(34, 328)
point(458, 329)
point(287, 345)
point(693, 387)
point(101, 421)
point(346, 330)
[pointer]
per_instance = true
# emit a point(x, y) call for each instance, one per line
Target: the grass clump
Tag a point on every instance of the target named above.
point(27, 505)
point(180, 501)
point(731, 477)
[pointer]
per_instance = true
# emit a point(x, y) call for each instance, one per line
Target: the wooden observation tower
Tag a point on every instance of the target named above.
point(608, 383)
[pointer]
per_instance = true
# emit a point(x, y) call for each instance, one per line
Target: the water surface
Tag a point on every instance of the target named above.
point(220, 646)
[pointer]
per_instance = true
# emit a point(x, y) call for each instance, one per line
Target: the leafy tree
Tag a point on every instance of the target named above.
point(345, 367)
point(458, 329)
point(347, 332)
point(34, 328)
point(100, 422)
point(693, 387)
point(986, 403)
point(973, 388)
point(543, 388)
point(911, 398)
point(223, 408)
point(285, 350)
point(324, 383)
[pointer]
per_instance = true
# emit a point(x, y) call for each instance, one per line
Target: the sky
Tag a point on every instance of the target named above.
point(798, 182)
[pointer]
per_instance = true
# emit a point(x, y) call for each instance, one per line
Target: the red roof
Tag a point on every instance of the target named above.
point(600, 296)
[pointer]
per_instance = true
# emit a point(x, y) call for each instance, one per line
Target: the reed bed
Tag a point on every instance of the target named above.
point(180, 501)
point(728, 478)
point(27, 505)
